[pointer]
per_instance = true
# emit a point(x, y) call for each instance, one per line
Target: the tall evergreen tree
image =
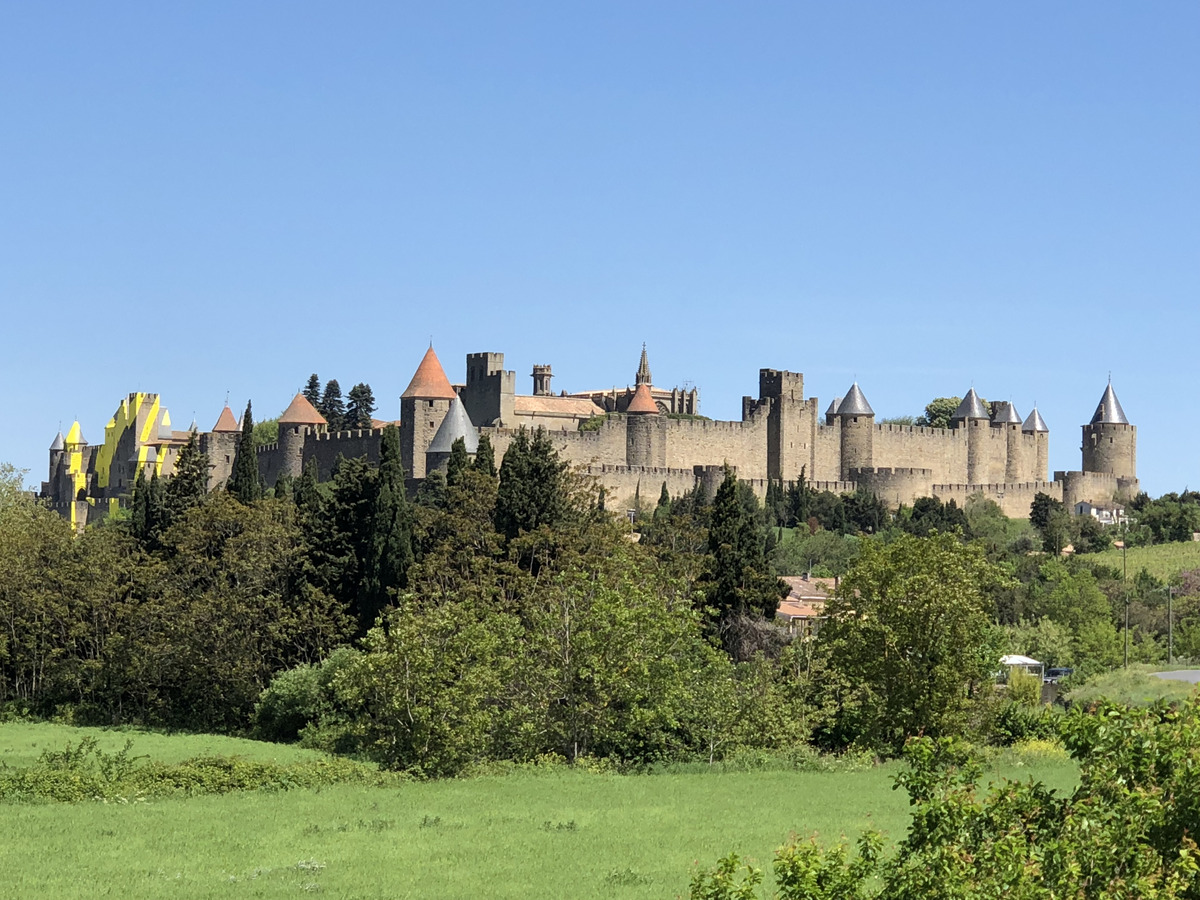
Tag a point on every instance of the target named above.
point(485, 457)
point(391, 539)
point(312, 390)
point(244, 483)
point(458, 463)
point(188, 487)
point(532, 490)
point(148, 518)
point(361, 406)
point(332, 407)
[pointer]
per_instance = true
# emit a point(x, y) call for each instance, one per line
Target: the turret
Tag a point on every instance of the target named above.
point(57, 449)
point(972, 417)
point(645, 432)
point(831, 413)
point(423, 405)
point(541, 381)
point(1109, 441)
point(1036, 426)
point(296, 422)
point(1005, 417)
point(857, 423)
point(457, 424)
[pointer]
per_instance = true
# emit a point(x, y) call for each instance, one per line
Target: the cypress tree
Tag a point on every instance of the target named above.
point(361, 406)
point(312, 391)
point(139, 501)
point(391, 547)
point(188, 487)
point(485, 457)
point(531, 492)
point(244, 482)
point(458, 463)
point(664, 498)
point(332, 407)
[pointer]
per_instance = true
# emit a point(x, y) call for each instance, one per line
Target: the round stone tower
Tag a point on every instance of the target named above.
point(1006, 417)
point(295, 424)
point(645, 434)
point(423, 405)
point(857, 423)
point(1109, 441)
point(1035, 425)
point(972, 417)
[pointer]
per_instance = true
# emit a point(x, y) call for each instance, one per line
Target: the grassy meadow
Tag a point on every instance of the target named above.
point(558, 833)
point(1160, 560)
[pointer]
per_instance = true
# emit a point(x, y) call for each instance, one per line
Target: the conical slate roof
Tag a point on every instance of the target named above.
point(430, 381)
point(1006, 414)
point(301, 412)
point(226, 421)
point(75, 434)
point(59, 443)
point(1035, 424)
point(1109, 411)
point(970, 408)
point(854, 403)
point(642, 402)
point(164, 426)
point(457, 424)
point(833, 406)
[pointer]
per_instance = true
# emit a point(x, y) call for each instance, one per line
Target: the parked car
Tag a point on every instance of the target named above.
point(1056, 674)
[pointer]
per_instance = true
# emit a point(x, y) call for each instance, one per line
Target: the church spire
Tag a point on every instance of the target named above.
point(643, 372)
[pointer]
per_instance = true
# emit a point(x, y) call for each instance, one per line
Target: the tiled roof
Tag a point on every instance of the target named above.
point(226, 421)
point(301, 412)
point(429, 382)
point(642, 401)
point(556, 406)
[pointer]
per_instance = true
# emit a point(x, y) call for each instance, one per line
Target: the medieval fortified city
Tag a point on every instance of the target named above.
point(633, 440)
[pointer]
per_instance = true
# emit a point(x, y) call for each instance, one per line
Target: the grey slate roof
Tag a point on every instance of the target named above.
point(1035, 424)
point(833, 406)
point(970, 408)
point(457, 424)
point(1109, 411)
point(1006, 414)
point(59, 442)
point(854, 403)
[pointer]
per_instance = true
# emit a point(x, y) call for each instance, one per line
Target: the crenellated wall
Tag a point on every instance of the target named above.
point(1014, 500)
point(694, 442)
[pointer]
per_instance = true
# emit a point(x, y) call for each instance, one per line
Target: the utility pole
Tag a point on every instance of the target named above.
point(1125, 580)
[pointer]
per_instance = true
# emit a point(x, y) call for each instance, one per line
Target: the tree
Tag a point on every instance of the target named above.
point(739, 582)
point(391, 539)
point(312, 391)
point(361, 407)
point(188, 487)
point(938, 412)
point(930, 514)
point(458, 463)
point(244, 483)
point(909, 638)
point(332, 407)
point(485, 457)
point(532, 485)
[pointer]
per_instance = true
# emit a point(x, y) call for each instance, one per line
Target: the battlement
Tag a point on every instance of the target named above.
point(999, 487)
point(356, 434)
point(951, 434)
point(856, 474)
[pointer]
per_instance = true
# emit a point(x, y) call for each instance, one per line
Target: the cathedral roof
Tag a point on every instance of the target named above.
point(59, 443)
point(1035, 424)
point(226, 421)
point(457, 424)
point(854, 403)
point(1109, 411)
point(301, 412)
point(1006, 414)
point(430, 381)
point(643, 372)
point(642, 401)
point(970, 408)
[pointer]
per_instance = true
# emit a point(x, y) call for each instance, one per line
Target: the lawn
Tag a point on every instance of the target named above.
point(557, 834)
point(1160, 560)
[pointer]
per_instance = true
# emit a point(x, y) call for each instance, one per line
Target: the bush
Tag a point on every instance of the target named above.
point(298, 698)
point(1017, 722)
point(1024, 688)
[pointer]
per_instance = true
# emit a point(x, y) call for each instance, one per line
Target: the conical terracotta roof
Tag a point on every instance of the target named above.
point(226, 421)
point(642, 402)
point(430, 381)
point(301, 412)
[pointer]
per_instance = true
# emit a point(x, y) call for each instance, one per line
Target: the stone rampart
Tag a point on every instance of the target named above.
point(894, 485)
point(695, 442)
point(622, 483)
point(1014, 500)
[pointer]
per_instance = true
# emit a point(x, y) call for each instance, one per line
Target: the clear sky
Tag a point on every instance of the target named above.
point(202, 198)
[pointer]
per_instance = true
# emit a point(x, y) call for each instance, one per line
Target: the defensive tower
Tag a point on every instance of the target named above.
point(857, 423)
point(972, 417)
point(423, 405)
point(1109, 441)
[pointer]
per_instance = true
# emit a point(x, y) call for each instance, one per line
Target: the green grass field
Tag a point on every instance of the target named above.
point(557, 834)
point(1161, 560)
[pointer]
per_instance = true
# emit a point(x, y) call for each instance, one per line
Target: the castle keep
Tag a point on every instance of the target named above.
point(633, 440)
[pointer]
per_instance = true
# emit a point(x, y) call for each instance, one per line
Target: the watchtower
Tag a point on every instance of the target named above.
point(857, 422)
point(972, 417)
point(1109, 441)
point(423, 405)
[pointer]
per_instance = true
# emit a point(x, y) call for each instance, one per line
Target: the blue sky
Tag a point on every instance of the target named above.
point(202, 198)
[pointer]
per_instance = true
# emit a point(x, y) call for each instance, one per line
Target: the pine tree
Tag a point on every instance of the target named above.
point(244, 482)
point(485, 457)
point(361, 407)
point(312, 390)
point(188, 487)
point(532, 491)
point(458, 463)
point(149, 510)
point(332, 407)
point(391, 542)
